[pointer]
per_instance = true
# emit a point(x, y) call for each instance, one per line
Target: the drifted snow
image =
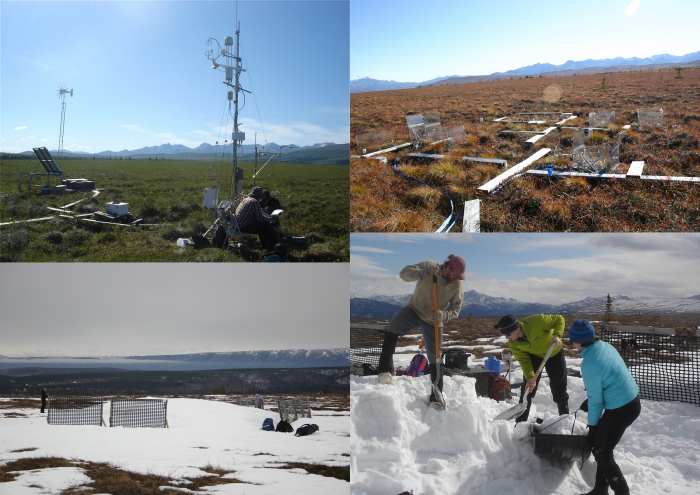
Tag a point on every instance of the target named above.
point(399, 444)
point(201, 432)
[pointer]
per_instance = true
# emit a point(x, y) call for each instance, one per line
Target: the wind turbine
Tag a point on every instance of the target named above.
point(62, 92)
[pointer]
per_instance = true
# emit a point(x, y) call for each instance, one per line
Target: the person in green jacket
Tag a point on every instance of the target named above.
point(529, 340)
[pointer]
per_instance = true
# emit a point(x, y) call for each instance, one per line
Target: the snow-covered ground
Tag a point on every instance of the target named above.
point(200, 433)
point(399, 444)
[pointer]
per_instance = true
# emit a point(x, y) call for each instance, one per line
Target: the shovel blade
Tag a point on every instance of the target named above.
point(513, 412)
point(438, 396)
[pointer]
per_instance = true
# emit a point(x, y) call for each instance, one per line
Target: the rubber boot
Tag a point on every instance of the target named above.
point(601, 484)
point(563, 408)
point(384, 368)
point(434, 403)
point(619, 484)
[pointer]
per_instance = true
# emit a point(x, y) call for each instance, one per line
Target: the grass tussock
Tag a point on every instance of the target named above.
point(167, 196)
point(580, 204)
point(107, 478)
point(339, 472)
point(20, 403)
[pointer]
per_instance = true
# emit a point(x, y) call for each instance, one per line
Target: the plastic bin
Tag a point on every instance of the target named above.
point(493, 364)
point(559, 446)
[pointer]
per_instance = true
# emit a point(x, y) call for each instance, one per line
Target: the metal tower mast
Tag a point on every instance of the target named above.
point(233, 67)
point(62, 92)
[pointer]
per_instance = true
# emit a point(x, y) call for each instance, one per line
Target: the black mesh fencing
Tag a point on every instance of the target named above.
point(365, 343)
point(665, 364)
point(75, 411)
point(139, 413)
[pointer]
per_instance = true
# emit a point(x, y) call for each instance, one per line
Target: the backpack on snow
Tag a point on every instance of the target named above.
point(284, 427)
point(306, 429)
point(417, 366)
point(456, 359)
point(499, 388)
point(268, 425)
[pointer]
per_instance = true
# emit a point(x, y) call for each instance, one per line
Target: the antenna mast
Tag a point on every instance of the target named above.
point(232, 66)
point(62, 92)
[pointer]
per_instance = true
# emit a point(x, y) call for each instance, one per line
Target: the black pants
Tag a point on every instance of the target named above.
point(611, 426)
point(556, 369)
point(266, 233)
point(43, 404)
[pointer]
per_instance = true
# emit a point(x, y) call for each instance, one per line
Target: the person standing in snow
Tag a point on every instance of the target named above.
point(420, 311)
point(609, 386)
point(529, 340)
point(44, 396)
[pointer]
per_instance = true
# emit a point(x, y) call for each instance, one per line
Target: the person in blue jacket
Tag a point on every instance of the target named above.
point(610, 388)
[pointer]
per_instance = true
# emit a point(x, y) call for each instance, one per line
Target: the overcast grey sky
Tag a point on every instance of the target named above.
point(138, 309)
point(545, 268)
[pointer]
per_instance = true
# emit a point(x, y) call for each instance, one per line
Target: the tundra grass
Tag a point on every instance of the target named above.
point(168, 195)
point(384, 201)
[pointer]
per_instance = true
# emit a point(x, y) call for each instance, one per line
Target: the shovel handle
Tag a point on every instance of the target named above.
point(437, 324)
point(546, 356)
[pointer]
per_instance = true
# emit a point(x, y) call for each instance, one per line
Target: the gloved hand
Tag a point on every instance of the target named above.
point(584, 406)
point(591, 434)
point(427, 271)
point(439, 316)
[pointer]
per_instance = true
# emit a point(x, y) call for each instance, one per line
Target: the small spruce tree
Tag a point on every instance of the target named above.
point(608, 309)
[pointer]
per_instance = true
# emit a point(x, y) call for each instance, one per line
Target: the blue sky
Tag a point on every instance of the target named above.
point(415, 41)
point(545, 268)
point(141, 78)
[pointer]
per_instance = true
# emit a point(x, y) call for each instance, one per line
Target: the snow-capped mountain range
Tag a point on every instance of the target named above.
point(366, 84)
point(295, 358)
point(483, 305)
point(172, 149)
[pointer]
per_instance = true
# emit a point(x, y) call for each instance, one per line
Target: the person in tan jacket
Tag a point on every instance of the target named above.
point(420, 311)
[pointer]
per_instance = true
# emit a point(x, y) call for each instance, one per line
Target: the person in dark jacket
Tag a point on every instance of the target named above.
point(611, 388)
point(252, 220)
point(269, 203)
point(44, 396)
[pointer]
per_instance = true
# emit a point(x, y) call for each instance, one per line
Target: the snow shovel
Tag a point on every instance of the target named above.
point(518, 409)
point(438, 364)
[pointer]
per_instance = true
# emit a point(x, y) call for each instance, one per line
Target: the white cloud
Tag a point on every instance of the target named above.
point(633, 7)
point(163, 137)
point(82, 148)
point(301, 133)
point(364, 264)
point(20, 128)
point(370, 250)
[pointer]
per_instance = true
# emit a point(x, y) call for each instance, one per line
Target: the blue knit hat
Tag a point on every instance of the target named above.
point(581, 332)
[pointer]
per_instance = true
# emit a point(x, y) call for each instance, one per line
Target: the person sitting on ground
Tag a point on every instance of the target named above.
point(252, 220)
point(420, 312)
point(269, 203)
point(609, 386)
point(529, 340)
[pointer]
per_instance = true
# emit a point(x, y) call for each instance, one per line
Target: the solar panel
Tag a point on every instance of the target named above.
point(47, 161)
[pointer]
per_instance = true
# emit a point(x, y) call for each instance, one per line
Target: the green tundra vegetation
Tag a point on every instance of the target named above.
point(168, 196)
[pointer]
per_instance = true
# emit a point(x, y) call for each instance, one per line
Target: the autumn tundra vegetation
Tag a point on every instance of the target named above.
point(382, 200)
